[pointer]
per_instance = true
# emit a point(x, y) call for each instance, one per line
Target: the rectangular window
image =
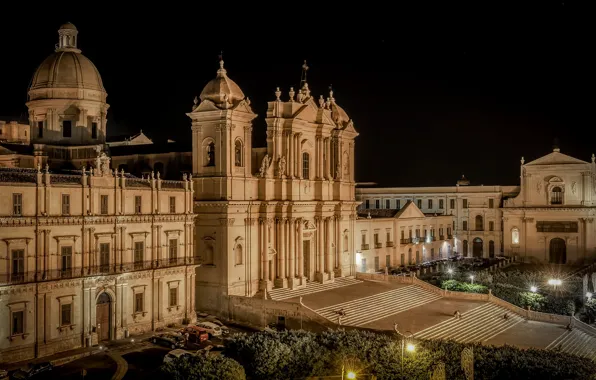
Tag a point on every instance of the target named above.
point(18, 262)
point(93, 130)
point(104, 256)
point(66, 259)
point(388, 261)
point(104, 205)
point(430, 204)
point(403, 233)
point(18, 326)
point(305, 165)
point(173, 250)
point(367, 203)
point(173, 297)
point(137, 204)
point(377, 203)
point(66, 314)
point(40, 129)
point(491, 203)
point(418, 233)
point(452, 203)
point(66, 128)
point(397, 204)
point(376, 238)
point(139, 253)
point(17, 204)
point(65, 204)
point(387, 203)
point(491, 226)
point(172, 205)
point(464, 225)
point(419, 203)
point(363, 238)
point(440, 204)
point(465, 203)
point(139, 303)
point(388, 236)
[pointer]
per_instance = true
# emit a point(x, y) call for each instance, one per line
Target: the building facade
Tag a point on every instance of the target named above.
point(388, 238)
point(552, 218)
point(278, 216)
point(14, 132)
point(87, 253)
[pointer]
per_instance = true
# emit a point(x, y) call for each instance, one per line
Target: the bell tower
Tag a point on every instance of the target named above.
point(221, 139)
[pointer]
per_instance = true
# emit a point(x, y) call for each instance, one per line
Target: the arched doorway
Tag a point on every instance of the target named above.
point(477, 247)
point(103, 312)
point(558, 251)
point(491, 249)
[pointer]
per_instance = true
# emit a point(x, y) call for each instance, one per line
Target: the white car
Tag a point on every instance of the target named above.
point(175, 354)
point(212, 328)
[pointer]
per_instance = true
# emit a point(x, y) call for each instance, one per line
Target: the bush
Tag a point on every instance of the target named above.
point(203, 368)
point(301, 355)
point(457, 286)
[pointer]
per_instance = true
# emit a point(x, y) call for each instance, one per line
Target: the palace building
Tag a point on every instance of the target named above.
point(88, 253)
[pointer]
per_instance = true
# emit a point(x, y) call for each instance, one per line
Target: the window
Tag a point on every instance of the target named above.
point(138, 203)
point(387, 203)
point(238, 254)
point(403, 234)
point(66, 313)
point(172, 205)
point(556, 196)
point(238, 153)
point(93, 130)
point(449, 231)
point(464, 225)
point(40, 129)
point(397, 204)
point(491, 226)
point(104, 205)
point(173, 254)
point(432, 233)
point(479, 223)
point(452, 203)
point(491, 203)
point(430, 204)
point(305, 165)
point(67, 128)
point(18, 327)
point(440, 204)
point(377, 203)
point(419, 203)
point(515, 236)
point(173, 297)
point(66, 259)
point(139, 253)
point(104, 256)
point(363, 238)
point(18, 262)
point(65, 204)
point(388, 236)
point(465, 203)
point(418, 233)
point(17, 204)
point(367, 203)
point(139, 302)
point(376, 238)
point(211, 154)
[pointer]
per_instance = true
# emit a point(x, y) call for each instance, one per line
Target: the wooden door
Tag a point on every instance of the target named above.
point(102, 316)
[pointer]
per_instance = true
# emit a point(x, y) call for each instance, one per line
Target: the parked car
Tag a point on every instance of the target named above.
point(224, 328)
point(168, 340)
point(212, 328)
point(196, 334)
point(216, 349)
point(3, 375)
point(175, 354)
point(32, 369)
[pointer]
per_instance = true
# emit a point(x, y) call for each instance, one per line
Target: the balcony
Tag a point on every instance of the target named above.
point(417, 240)
point(406, 241)
point(434, 238)
point(389, 244)
point(378, 245)
point(441, 237)
point(60, 274)
point(449, 236)
point(364, 247)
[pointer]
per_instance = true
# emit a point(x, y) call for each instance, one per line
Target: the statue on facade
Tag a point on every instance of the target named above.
point(281, 167)
point(104, 164)
point(573, 187)
point(539, 187)
point(338, 171)
point(264, 166)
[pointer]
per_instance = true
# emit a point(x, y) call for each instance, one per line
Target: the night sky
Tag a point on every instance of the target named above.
point(434, 93)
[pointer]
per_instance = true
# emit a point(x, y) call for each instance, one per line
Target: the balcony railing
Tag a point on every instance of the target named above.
point(449, 236)
point(58, 274)
point(389, 244)
point(441, 237)
point(364, 247)
point(378, 245)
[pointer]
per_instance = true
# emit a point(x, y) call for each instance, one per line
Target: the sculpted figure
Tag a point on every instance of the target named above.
point(281, 167)
point(264, 166)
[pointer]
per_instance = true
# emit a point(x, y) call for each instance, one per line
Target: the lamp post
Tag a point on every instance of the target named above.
point(410, 347)
point(533, 289)
point(450, 271)
point(589, 295)
point(472, 278)
point(554, 282)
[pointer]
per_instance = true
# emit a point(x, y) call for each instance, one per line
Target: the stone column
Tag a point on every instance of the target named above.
point(329, 248)
point(265, 250)
point(328, 162)
point(321, 160)
point(290, 144)
point(281, 280)
point(291, 250)
point(297, 151)
point(118, 334)
point(320, 255)
point(299, 249)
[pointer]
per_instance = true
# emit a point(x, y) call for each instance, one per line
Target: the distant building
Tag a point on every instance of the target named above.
point(14, 132)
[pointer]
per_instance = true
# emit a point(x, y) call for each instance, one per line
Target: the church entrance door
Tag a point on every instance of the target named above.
point(477, 247)
point(558, 251)
point(102, 316)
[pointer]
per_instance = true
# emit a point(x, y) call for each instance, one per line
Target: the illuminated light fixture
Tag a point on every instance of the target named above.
point(533, 289)
point(351, 375)
point(410, 347)
point(589, 295)
point(554, 282)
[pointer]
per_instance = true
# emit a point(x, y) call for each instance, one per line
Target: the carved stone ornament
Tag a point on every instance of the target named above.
point(573, 187)
point(281, 167)
point(264, 166)
point(539, 187)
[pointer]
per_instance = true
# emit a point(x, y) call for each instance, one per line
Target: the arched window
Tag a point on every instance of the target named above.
point(238, 153)
point(238, 254)
point(515, 236)
point(556, 196)
point(305, 165)
point(479, 223)
point(210, 152)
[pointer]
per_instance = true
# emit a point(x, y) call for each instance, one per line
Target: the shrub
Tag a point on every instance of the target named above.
point(457, 286)
point(203, 368)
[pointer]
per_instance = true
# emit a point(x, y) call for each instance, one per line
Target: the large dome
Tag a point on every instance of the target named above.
point(222, 89)
point(66, 68)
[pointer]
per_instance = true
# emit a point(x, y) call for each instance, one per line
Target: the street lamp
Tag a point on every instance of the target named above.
point(533, 289)
point(554, 282)
point(589, 295)
point(450, 271)
point(472, 278)
point(410, 347)
point(351, 375)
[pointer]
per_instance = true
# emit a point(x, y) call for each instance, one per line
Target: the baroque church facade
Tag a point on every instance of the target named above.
point(278, 216)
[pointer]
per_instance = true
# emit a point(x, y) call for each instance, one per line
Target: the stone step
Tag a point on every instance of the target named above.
point(279, 294)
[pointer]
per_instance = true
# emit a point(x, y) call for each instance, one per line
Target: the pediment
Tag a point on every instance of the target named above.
point(555, 179)
point(410, 210)
point(206, 105)
point(555, 158)
point(307, 112)
point(309, 226)
point(243, 106)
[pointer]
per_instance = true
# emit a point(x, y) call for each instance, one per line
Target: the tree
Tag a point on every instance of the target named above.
point(201, 367)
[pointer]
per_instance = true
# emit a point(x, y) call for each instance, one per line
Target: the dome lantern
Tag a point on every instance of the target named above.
point(67, 38)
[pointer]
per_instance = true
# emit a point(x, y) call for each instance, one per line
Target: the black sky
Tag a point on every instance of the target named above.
point(434, 92)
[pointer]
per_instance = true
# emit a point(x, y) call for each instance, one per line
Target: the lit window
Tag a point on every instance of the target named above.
point(305, 165)
point(556, 196)
point(172, 205)
point(238, 153)
point(66, 314)
point(17, 204)
point(515, 236)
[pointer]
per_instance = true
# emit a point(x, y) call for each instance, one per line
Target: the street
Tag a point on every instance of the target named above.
point(98, 367)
